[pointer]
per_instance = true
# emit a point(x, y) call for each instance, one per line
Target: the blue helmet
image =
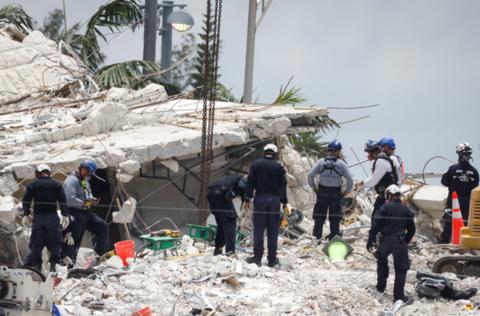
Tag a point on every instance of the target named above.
point(334, 145)
point(371, 145)
point(387, 141)
point(89, 164)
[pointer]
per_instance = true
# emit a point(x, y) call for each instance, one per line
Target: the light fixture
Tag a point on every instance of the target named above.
point(181, 21)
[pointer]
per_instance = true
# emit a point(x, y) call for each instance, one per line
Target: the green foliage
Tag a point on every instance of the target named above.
point(224, 94)
point(126, 74)
point(289, 95)
point(14, 14)
point(309, 144)
point(113, 16)
point(181, 74)
point(53, 28)
point(199, 60)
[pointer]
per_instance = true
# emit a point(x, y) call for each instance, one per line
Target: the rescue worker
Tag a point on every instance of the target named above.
point(220, 197)
point(46, 225)
point(461, 178)
point(331, 170)
point(80, 201)
point(383, 175)
point(396, 226)
point(267, 179)
point(388, 147)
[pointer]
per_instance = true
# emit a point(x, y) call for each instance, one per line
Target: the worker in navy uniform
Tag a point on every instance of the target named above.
point(220, 197)
point(396, 226)
point(46, 194)
point(461, 178)
point(384, 173)
point(331, 170)
point(80, 201)
point(267, 179)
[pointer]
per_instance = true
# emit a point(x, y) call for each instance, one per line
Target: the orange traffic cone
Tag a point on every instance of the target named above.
point(457, 220)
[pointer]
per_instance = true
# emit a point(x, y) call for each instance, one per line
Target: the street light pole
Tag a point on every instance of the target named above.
point(150, 30)
point(166, 58)
point(250, 53)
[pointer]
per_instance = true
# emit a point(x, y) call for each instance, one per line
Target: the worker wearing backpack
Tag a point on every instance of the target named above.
point(331, 170)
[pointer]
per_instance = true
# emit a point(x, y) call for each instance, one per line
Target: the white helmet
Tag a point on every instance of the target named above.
point(270, 147)
point(464, 148)
point(43, 168)
point(393, 189)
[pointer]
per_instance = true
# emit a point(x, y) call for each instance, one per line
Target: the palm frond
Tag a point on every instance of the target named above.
point(114, 15)
point(289, 95)
point(309, 144)
point(125, 74)
point(14, 14)
point(325, 123)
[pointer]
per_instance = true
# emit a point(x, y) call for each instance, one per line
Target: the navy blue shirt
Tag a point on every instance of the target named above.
point(267, 176)
point(45, 192)
point(394, 218)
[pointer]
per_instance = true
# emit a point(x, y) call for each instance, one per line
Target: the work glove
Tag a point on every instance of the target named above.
point(64, 221)
point(316, 189)
point(369, 245)
point(88, 203)
point(68, 239)
point(26, 221)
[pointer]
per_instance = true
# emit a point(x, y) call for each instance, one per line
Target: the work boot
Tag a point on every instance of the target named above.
point(218, 251)
point(273, 263)
point(407, 300)
point(254, 260)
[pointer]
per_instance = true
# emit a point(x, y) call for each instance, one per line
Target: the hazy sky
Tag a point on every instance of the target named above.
point(418, 59)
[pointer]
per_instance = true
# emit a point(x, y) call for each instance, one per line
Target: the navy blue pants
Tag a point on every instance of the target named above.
point(327, 199)
point(82, 220)
point(396, 246)
point(46, 232)
point(266, 216)
point(226, 218)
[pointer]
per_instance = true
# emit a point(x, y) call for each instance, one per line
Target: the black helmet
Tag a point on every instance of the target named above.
point(371, 146)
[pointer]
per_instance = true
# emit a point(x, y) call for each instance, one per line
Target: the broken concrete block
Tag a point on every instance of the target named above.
point(7, 213)
point(364, 219)
point(123, 177)
point(252, 270)
point(170, 164)
point(105, 117)
point(279, 126)
point(100, 163)
point(153, 92)
point(431, 199)
point(8, 185)
point(114, 262)
point(23, 171)
point(130, 166)
point(125, 215)
point(117, 94)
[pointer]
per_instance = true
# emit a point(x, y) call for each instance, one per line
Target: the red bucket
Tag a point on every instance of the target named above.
point(146, 311)
point(125, 249)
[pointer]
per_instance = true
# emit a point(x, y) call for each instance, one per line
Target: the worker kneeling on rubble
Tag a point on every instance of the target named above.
point(461, 178)
point(80, 201)
point(331, 170)
point(396, 226)
point(46, 226)
point(220, 199)
point(267, 178)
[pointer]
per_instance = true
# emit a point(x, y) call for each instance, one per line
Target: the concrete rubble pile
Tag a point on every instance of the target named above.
point(51, 111)
point(306, 283)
